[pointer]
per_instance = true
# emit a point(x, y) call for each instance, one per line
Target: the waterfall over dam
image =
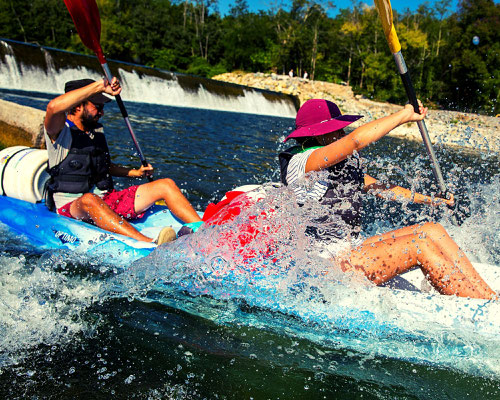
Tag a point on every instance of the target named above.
point(36, 68)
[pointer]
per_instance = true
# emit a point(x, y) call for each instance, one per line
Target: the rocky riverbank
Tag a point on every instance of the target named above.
point(472, 131)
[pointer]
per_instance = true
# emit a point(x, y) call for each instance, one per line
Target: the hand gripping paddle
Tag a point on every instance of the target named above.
point(385, 13)
point(85, 15)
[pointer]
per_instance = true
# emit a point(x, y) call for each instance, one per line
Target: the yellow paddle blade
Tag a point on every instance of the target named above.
point(385, 12)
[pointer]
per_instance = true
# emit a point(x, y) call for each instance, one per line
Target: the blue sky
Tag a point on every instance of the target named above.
point(399, 5)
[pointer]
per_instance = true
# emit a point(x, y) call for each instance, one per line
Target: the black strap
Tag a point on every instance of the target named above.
point(48, 195)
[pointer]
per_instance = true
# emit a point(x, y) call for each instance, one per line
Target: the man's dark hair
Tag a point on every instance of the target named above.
point(72, 111)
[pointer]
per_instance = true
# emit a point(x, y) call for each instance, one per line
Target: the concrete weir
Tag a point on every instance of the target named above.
point(20, 125)
point(27, 67)
point(34, 68)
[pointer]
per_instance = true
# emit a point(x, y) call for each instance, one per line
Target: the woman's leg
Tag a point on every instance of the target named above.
point(446, 245)
point(382, 260)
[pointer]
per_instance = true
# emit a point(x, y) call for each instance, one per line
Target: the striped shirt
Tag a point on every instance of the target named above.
point(296, 171)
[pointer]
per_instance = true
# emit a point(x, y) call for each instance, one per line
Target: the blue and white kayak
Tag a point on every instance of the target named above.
point(45, 230)
point(23, 212)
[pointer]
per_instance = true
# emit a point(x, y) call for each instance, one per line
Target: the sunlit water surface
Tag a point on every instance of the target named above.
point(195, 320)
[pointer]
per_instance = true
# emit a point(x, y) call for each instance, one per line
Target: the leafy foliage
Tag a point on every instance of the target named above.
point(190, 36)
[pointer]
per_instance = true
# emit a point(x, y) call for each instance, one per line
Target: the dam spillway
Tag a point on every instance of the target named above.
point(34, 68)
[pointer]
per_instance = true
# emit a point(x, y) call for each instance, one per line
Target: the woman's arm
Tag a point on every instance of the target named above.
point(393, 192)
point(361, 137)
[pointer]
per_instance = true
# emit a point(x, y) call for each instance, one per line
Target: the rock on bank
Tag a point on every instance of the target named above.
point(472, 131)
point(20, 125)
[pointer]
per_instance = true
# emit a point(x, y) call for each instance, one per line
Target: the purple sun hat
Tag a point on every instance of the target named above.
point(318, 117)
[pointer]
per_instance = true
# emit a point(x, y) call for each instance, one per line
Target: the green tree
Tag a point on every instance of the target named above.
point(190, 36)
point(44, 22)
point(473, 80)
point(247, 39)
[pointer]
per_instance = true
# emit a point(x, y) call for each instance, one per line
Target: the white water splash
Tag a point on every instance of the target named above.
point(284, 274)
point(479, 235)
point(39, 306)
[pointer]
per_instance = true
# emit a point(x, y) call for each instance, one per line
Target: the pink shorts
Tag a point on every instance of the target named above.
point(121, 202)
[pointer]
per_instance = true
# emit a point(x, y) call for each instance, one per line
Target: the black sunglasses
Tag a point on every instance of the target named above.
point(98, 107)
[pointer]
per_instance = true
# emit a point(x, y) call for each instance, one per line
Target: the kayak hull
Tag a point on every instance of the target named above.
point(44, 230)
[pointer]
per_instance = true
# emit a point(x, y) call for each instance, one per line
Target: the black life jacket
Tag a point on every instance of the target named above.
point(86, 165)
point(345, 181)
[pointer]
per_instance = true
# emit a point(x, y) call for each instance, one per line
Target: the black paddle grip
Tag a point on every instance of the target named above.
point(410, 91)
point(145, 164)
point(121, 106)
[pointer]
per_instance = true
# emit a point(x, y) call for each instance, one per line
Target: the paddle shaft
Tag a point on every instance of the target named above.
point(412, 97)
point(385, 12)
point(85, 15)
point(123, 110)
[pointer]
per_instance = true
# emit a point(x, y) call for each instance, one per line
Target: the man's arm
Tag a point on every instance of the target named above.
point(393, 192)
point(57, 108)
point(118, 170)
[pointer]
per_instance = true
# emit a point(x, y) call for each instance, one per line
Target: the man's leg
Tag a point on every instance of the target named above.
point(165, 189)
point(91, 206)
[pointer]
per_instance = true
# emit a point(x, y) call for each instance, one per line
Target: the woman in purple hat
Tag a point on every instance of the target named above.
point(322, 145)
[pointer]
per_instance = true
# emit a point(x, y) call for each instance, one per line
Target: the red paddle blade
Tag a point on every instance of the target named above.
point(85, 15)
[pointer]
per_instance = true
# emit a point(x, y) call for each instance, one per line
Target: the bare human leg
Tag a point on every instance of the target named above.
point(446, 245)
point(165, 189)
point(382, 260)
point(91, 206)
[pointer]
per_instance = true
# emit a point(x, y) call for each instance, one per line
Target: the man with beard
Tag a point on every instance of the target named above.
point(80, 166)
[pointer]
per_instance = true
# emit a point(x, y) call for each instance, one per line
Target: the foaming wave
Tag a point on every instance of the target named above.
point(281, 281)
point(38, 305)
point(479, 235)
point(149, 89)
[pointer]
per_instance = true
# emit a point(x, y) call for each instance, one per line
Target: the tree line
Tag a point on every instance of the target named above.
point(454, 58)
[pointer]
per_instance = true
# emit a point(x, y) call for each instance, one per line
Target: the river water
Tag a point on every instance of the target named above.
point(73, 327)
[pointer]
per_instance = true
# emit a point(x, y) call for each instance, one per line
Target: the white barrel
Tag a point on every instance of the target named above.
point(23, 173)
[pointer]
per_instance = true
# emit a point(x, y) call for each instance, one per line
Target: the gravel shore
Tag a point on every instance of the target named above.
point(474, 132)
